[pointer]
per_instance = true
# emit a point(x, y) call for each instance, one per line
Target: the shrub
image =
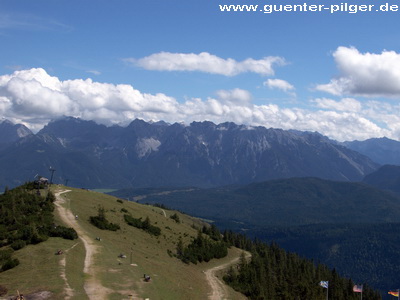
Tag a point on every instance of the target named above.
point(64, 232)
point(145, 225)
point(18, 244)
point(175, 217)
point(9, 264)
point(101, 222)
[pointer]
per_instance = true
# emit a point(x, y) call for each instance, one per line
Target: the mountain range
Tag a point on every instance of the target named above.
point(384, 151)
point(145, 154)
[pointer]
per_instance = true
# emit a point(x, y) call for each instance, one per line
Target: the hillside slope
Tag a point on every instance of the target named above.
point(381, 150)
point(386, 178)
point(282, 202)
point(92, 269)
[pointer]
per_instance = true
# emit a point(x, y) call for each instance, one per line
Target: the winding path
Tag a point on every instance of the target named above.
point(93, 287)
point(218, 288)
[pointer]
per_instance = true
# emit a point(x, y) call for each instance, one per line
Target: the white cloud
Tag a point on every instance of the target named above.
point(206, 62)
point(345, 104)
point(33, 97)
point(365, 74)
point(235, 96)
point(279, 84)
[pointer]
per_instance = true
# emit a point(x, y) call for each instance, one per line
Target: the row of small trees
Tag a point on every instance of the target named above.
point(143, 224)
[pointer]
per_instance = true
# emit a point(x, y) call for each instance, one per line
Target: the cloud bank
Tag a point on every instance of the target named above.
point(206, 62)
point(365, 74)
point(33, 97)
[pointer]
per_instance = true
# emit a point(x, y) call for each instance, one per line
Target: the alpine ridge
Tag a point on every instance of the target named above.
point(202, 154)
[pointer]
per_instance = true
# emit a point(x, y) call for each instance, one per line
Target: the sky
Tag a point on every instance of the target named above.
point(335, 71)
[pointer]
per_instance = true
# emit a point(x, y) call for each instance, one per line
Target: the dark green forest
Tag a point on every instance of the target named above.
point(273, 273)
point(365, 252)
point(26, 217)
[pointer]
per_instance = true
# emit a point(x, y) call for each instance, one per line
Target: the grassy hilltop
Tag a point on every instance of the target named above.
point(41, 270)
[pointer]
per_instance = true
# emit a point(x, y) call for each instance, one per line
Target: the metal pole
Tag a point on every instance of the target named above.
point(52, 173)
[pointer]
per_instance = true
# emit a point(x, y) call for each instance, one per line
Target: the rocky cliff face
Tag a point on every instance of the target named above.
point(10, 132)
point(202, 154)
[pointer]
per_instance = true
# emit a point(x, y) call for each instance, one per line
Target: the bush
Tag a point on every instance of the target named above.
point(144, 225)
point(9, 264)
point(101, 222)
point(175, 217)
point(64, 232)
point(18, 244)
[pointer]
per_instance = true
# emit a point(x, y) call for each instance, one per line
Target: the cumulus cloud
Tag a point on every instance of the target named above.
point(279, 84)
point(33, 97)
point(282, 85)
point(206, 62)
point(365, 74)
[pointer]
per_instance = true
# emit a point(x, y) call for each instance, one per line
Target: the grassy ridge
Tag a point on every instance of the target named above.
point(40, 268)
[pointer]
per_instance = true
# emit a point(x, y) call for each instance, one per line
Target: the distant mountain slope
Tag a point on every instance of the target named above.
point(284, 202)
point(10, 132)
point(386, 178)
point(202, 154)
point(364, 252)
point(381, 150)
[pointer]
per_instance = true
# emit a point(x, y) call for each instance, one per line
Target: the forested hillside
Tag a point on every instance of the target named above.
point(284, 202)
point(364, 252)
point(274, 273)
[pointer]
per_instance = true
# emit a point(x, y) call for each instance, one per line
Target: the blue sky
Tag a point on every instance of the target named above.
point(184, 61)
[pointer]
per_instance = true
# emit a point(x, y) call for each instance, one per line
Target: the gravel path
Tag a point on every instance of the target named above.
point(93, 287)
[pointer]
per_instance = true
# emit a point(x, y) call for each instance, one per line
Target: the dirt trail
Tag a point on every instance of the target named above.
point(93, 287)
point(218, 288)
